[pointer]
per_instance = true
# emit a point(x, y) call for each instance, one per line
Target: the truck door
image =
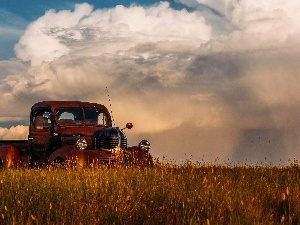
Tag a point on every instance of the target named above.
point(39, 134)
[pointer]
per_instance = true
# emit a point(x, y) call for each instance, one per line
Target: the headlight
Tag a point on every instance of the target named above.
point(144, 145)
point(81, 144)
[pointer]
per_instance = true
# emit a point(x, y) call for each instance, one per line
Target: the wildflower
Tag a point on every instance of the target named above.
point(33, 217)
point(282, 219)
point(287, 191)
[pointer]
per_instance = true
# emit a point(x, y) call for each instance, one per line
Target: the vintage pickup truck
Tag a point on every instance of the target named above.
point(73, 133)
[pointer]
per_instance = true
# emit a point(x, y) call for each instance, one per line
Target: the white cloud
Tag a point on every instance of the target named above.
point(14, 133)
point(254, 24)
point(107, 31)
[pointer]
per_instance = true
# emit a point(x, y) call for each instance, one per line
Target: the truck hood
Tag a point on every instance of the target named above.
point(78, 131)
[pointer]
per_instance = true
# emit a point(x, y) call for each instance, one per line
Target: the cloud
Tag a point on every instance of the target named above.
point(107, 31)
point(261, 22)
point(219, 81)
point(14, 133)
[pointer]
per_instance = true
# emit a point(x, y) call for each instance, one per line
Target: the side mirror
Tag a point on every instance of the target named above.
point(129, 125)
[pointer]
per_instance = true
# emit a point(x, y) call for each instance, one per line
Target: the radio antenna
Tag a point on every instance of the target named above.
point(111, 113)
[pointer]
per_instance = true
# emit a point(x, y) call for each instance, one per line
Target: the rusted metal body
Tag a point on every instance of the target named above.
point(74, 132)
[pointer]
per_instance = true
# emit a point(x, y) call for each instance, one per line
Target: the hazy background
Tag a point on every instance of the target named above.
point(207, 80)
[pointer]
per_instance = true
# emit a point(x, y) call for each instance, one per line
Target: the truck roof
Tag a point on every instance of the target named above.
point(72, 104)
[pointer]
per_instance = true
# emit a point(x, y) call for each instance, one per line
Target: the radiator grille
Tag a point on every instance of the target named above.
point(108, 143)
point(124, 143)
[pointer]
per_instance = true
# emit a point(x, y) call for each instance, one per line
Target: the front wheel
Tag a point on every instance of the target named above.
point(9, 157)
point(138, 158)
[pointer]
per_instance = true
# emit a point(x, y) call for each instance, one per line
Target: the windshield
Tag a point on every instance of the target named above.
point(78, 116)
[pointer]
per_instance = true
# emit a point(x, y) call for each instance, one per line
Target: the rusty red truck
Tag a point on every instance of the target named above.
point(73, 132)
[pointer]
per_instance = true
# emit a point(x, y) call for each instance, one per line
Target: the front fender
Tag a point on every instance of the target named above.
point(66, 153)
point(70, 154)
point(9, 156)
point(136, 156)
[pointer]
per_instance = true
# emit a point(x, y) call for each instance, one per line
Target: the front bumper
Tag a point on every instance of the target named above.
point(70, 154)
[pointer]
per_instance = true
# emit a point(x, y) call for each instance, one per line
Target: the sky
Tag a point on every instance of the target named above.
point(207, 80)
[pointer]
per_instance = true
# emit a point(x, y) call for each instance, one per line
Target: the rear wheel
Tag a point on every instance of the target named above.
point(9, 157)
point(135, 158)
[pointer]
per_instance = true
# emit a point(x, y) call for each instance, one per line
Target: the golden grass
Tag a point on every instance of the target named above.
point(164, 194)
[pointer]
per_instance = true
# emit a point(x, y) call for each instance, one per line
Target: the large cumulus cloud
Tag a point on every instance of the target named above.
point(219, 81)
point(107, 31)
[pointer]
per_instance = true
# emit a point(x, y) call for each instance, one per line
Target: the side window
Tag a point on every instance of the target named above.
point(93, 116)
point(66, 116)
point(90, 116)
point(40, 121)
point(102, 119)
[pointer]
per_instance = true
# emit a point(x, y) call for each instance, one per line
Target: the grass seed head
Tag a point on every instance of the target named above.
point(287, 191)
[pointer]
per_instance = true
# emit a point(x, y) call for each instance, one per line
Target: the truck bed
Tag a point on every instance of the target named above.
point(19, 144)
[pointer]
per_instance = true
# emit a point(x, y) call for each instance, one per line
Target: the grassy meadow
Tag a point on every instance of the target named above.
point(164, 194)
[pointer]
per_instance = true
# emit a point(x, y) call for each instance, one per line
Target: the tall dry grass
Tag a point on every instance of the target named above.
point(164, 194)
